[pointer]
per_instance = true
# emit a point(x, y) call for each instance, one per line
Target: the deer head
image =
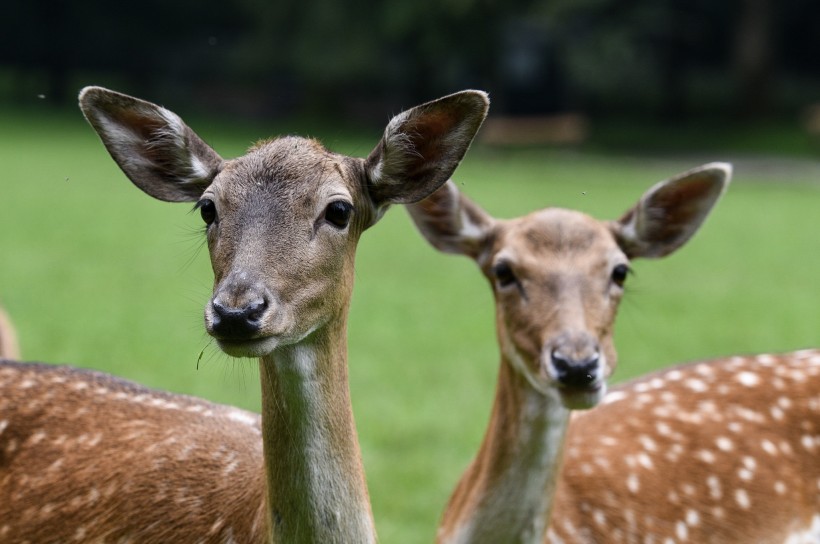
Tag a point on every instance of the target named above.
point(558, 275)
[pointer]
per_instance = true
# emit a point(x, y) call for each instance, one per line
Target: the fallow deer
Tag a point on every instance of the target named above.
point(722, 451)
point(9, 347)
point(87, 457)
point(716, 451)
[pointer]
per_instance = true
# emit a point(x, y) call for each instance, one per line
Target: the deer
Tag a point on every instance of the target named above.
point(89, 457)
point(9, 346)
point(714, 451)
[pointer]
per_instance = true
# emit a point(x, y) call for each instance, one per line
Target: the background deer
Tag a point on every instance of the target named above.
point(87, 457)
point(720, 451)
point(9, 348)
point(682, 455)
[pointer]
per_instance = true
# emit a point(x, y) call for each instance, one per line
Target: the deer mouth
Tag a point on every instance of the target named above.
point(255, 347)
point(582, 397)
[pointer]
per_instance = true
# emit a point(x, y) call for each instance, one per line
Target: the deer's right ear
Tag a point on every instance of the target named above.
point(153, 146)
point(451, 222)
point(422, 147)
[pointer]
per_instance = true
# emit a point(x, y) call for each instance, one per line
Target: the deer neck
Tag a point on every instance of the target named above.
point(506, 494)
point(316, 485)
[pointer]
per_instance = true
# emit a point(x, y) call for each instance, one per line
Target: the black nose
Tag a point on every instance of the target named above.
point(237, 323)
point(575, 373)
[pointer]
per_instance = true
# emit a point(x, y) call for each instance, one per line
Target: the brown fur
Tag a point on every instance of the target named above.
point(721, 451)
point(82, 452)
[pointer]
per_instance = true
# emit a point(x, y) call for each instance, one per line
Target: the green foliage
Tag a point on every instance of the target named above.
point(96, 274)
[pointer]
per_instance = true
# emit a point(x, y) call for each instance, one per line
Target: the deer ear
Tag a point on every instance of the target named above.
point(670, 213)
point(422, 146)
point(153, 146)
point(451, 222)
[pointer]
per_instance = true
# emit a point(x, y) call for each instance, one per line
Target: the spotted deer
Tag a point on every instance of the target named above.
point(88, 457)
point(9, 348)
point(716, 451)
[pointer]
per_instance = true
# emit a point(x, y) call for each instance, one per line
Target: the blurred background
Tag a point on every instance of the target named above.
point(593, 101)
point(658, 61)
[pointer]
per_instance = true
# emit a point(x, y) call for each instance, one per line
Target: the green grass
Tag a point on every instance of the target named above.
point(96, 274)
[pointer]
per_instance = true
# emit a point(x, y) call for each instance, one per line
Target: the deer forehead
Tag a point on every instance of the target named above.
point(288, 172)
point(555, 238)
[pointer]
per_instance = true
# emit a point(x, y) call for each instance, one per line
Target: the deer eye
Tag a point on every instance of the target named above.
point(619, 274)
point(338, 213)
point(504, 274)
point(207, 210)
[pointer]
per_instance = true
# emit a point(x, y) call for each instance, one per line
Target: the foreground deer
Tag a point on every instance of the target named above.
point(9, 348)
point(87, 457)
point(721, 451)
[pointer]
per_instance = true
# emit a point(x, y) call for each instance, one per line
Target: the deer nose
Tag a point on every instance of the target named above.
point(572, 372)
point(240, 322)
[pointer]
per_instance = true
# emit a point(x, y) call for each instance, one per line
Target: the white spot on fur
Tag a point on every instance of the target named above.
point(810, 536)
point(724, 443)
point(674, 375)
point(632, 483)
point(696, 385)
point(614, 396)
point(663, 429)
point(765, 359)
point(742, 499)
point(645, 461)
point(768, 446)
point(749, 379)
point(607, 440)
point(681, 531)
point(245, 418)
point(692, 518)
point(706, 456)
point(780, 487)
point(713, 483)
point(745, 474)
point(647, 443)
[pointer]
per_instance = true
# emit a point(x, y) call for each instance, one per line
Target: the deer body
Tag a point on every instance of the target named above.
point(282, 224)
point(119, 462)
point(710, 452)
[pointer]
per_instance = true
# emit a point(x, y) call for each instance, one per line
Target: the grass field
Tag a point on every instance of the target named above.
point(96, 274)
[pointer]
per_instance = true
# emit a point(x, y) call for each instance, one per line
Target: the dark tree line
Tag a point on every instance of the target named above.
point(658, 58)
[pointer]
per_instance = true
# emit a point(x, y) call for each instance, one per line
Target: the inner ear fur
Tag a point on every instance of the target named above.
point(422, 147)
point(158, 152)
point(671, 212)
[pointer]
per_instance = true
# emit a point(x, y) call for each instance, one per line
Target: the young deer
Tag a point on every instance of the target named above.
point(9, 348)
point(720, 451)
point(118, 462)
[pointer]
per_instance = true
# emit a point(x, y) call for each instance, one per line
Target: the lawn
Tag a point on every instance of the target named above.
point(97, 274)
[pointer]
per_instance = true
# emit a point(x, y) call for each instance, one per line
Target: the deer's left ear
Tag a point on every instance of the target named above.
point(671, 212)
point(422, 146)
